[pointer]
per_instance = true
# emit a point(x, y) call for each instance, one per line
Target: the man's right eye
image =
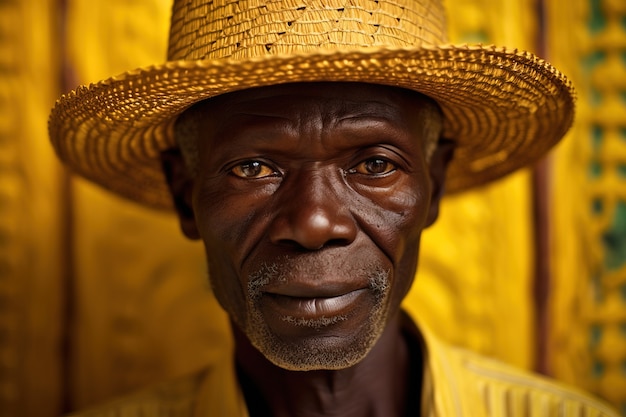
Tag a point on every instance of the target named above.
point(252, 170)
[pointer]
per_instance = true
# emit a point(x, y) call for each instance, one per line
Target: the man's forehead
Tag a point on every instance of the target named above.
point(286, 106)
point(343, 100)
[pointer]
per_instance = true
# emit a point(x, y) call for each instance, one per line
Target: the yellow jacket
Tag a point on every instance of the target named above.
point(456, 382)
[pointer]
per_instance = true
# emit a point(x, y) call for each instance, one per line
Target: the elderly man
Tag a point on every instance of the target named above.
point(307, 143)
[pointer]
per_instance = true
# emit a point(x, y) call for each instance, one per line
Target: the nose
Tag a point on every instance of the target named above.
point(312, 215)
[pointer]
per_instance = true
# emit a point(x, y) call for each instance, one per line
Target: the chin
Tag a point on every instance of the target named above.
point(319, 346)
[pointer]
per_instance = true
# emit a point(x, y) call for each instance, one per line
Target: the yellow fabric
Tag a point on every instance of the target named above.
point(457, 382)
point(467, 384)
point(588, 304)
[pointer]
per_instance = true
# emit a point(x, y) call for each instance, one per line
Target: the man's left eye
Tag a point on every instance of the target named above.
point(252, 170)
point(374, 166)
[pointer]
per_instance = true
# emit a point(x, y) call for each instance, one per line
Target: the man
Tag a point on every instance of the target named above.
point(307, 144)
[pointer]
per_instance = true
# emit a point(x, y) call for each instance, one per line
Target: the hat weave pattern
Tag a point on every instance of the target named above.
point(248, 28)
point(504, 108)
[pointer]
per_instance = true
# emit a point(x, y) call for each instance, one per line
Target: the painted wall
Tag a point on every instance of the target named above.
point(99, 296)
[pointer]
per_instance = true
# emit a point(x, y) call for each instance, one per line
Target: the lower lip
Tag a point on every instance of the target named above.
point(315, 307)
point(284, 311)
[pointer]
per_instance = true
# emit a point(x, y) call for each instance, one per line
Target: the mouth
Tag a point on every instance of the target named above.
point(301, 298)
point(297, 316)
point(313, 307)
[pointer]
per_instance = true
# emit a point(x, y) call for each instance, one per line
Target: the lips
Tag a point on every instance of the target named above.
point(313, 307)
point(315, 316)
point(315, 297)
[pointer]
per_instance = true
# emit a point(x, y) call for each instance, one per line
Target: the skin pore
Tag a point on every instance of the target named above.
point(310, 200)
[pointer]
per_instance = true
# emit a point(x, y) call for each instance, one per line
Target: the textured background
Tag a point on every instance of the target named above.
point(99, 296)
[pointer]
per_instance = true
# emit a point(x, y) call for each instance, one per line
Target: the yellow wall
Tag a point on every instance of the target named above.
point(588, 338)
point(32, 228)
point(476, 265)
point(99, 296)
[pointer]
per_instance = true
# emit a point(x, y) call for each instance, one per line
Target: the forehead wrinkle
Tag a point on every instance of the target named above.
point(259, 114)
point(367, 110)
point(298, 116)
point(339, 112)
point(295, 104)
point(317, 124)
point(277, 110)
point(301, 111)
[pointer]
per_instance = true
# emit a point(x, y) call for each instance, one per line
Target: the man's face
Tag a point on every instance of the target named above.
point(310, 200)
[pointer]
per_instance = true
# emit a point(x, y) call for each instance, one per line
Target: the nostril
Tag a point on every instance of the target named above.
point(307, 246)
point(296, 245)
point(337, 242)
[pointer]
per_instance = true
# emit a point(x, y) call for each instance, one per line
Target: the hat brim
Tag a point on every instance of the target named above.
point(503, 108)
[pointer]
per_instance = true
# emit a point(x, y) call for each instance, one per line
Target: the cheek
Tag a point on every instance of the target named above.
point(395, 224)
point(405, 270)
point(416, 205)
point(395, 217)
point(219, 224)
point(229, 222)
point(410, 226)
point(223, 218)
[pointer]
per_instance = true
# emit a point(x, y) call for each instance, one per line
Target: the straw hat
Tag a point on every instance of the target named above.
point(504, 108)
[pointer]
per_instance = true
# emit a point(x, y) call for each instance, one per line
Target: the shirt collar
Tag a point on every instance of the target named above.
point(220, 393)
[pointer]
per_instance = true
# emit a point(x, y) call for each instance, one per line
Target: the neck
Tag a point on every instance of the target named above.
point(376, 386)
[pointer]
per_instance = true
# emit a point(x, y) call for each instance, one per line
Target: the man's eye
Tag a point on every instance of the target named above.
point(374, 166)
point(252, 169)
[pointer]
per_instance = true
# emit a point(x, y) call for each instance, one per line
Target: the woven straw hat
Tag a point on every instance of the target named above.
point(504, 108)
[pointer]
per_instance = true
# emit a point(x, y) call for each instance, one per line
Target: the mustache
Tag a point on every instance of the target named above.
point(286, 268)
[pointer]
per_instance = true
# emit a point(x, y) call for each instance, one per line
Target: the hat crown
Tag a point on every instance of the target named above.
point(242, 29)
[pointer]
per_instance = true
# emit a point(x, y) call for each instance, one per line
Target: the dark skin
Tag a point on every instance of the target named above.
point(310, 200)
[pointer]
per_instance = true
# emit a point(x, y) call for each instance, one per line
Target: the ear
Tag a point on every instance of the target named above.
point(438, 167)
point(180, 183)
